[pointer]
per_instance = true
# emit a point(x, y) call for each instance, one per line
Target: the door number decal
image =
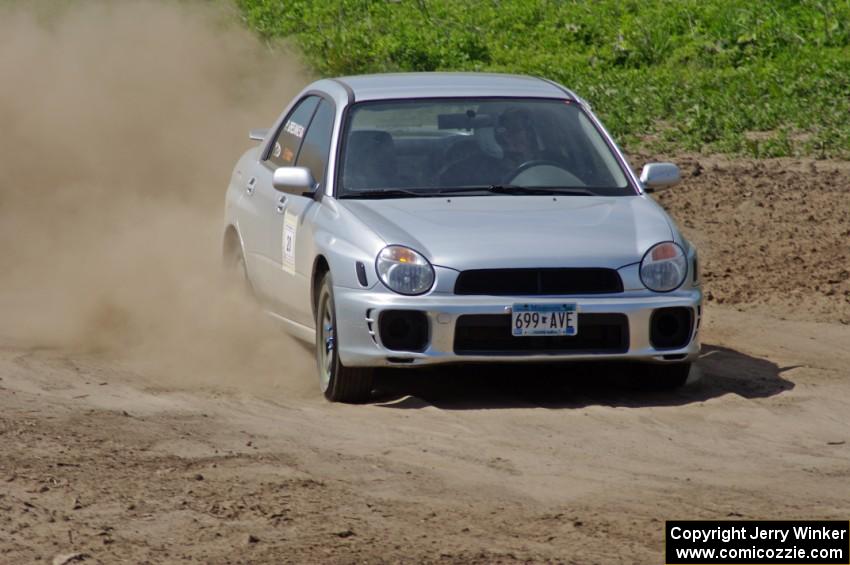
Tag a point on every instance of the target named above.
point(290, 230)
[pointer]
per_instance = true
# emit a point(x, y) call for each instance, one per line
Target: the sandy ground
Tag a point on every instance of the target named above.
point(455, 466)
point(149, 415)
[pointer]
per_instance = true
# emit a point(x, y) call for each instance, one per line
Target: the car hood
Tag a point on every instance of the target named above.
point(478, 232)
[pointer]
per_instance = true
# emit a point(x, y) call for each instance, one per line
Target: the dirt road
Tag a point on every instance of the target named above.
point(149, 415)
point(471, 467)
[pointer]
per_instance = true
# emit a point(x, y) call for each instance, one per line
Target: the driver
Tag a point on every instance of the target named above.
point(517, 138)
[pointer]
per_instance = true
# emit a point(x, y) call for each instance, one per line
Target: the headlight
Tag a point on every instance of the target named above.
point(404, 270)
point(664, 267)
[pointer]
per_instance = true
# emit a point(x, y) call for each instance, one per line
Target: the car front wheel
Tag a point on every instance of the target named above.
point(338, 382)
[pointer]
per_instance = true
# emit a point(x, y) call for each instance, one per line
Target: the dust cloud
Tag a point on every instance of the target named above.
point(121, 122)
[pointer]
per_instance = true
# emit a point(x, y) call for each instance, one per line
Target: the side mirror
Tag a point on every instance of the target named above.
point(296, 180)
point(258, 134)
point(658, 176)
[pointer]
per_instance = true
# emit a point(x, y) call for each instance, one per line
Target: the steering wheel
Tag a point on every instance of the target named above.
point(569, 178)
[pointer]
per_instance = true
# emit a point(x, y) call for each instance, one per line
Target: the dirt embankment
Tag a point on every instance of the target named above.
point(146, 415)
point(773, 235)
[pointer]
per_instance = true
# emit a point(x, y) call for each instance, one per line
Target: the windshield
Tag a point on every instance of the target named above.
point(408, 148)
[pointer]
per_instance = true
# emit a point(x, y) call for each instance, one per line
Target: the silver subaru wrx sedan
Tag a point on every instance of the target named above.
point(402, 220)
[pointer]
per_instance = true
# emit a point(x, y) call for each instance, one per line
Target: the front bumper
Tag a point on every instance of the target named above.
point(359, 341)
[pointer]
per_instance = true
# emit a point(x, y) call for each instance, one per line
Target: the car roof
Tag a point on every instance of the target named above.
point(440, 85)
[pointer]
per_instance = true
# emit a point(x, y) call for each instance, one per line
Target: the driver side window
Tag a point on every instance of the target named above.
point(317, 142)
point(285, 147)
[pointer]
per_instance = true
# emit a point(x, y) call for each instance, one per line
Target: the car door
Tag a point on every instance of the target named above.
point(295, 242)
point(266, 206)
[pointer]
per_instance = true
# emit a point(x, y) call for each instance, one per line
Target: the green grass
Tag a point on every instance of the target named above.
point(736, 76)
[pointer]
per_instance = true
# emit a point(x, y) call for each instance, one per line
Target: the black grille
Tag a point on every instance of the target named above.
point(517, 282)
point(490, 334)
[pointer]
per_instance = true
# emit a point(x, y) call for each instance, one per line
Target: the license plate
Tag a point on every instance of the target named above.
point(544, 319)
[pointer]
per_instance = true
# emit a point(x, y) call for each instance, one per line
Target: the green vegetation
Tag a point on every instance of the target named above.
point(760, 78)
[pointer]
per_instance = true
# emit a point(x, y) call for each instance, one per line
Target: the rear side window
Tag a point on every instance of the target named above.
point(317, 142)
point(285, 147)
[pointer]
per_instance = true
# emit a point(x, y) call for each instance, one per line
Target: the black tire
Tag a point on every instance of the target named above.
point(656, 376)
point(338, 382)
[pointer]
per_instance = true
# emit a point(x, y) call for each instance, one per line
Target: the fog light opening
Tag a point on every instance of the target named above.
point(668, 325)
point(671, 328)
point(404, 330)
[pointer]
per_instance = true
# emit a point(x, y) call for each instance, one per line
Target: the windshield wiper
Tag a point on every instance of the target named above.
point(516, 189)
point(387, 193)
point(493, 188)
